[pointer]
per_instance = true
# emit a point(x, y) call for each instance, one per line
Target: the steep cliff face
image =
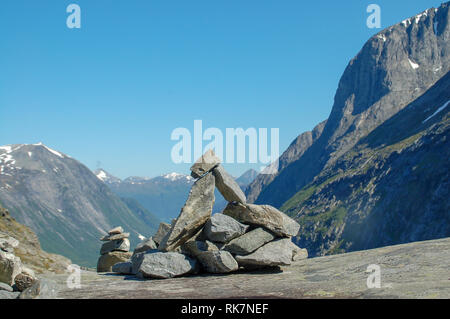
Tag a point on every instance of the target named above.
point(394, 68)
point(392, 187)
point(297, 148)
point(29, 249)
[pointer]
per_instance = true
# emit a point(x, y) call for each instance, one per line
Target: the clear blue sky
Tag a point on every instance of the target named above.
point(111, 93)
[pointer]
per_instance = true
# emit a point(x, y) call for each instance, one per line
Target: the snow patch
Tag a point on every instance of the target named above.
point(30, 154)
point(382, 37)
point(142, 238)
point(437, 111)
point(413, 65)
point(102, 176)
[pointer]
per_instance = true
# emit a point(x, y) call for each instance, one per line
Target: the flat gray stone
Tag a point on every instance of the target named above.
point(115, 245)
point(146, 245)
point(222, 228)
point(218, 262)
point(107, 261)
point(41, 289)
point(115, 237)
point(162, 231)
point(166, 265)
point(10, 267)
point(298, 253)
point(263, 215)
point(249, 242)
point(194, 214)
point(194, 248)
point(5, 287)
point(124, 268)
point(275, 253)
point(8, 295)
point(115, 231)
point(204, 164)
point(227, 186)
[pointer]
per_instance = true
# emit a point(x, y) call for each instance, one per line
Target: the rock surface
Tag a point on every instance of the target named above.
point(163, 229)
point(115, 231)
point(227, 186)
point(115, 245)
point(10, 267)
point(147, 244)
point(24, 280)
point(194, 214)
point(263, 215)
point(222, 228)
point(275, 253)
point(194, 248)
point(249, 242)
point(218, 261)
point(5, 287)
point(105, 262)
point(8, 295)
point(125, 268)
point(205, 164)
point(115, 237)
point(413, 270)
point(41, 289)
point(166, 265)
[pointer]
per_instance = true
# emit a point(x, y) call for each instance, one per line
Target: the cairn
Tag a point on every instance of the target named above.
point(116, 249)
point(243, 236)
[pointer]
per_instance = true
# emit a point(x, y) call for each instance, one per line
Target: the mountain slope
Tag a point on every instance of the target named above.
point(394, 68)
point(392, 187)
point(60, 199)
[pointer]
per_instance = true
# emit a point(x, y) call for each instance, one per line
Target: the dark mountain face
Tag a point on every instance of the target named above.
point(393, 69)
point(392, 187)
point(60, 199)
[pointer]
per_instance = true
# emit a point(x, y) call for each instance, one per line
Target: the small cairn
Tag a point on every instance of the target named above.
point(116, 249)
point(243, 236)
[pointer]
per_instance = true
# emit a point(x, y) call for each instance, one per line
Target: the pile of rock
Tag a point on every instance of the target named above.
point(242, 236)
point(116, 249)
point(14, 276)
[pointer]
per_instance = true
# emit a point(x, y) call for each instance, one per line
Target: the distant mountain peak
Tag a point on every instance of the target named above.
point(106, 177)
point(177, 176)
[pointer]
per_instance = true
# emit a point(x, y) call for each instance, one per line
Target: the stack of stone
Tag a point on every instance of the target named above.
point(116, 249)
point(14, 276)
point(243, 236)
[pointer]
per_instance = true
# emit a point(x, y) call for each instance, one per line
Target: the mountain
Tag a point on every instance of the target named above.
point(163, 195)
point(246, 178)
point(382, 87)
point(62, 201)
point(29, 249)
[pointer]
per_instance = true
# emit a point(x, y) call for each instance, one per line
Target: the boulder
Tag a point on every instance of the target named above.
point(105, 262)
point(8, 243)
point(166, 265)
point(218, 261)
point(124, 268)
point(8, 295)
point(162, 231)
point(10, 267)
point(194, 248)
point(115, 245)
point(249, 242)
point(146, 245)
point(265, 216)
point(222, 228)
point(115, 231)
point(23, 281)
point(275, 253)
point(41, 289)
point(298, 253)
point(193, 216)
point(204, 164)
point(227, 186)
point(115, 237)
point(5, 287)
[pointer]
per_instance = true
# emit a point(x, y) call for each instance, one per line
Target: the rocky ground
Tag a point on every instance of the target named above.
point(416, 270)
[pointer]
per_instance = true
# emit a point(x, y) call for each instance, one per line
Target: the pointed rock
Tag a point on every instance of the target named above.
point(194, 214)
point(115, 231)
point(227, 186)
point(10, 267)
point(204, 164)
point(249, 242)
point(263, 215)
point(222, 228)
point(161, 232)
point(275, 253)
point(146, 245)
